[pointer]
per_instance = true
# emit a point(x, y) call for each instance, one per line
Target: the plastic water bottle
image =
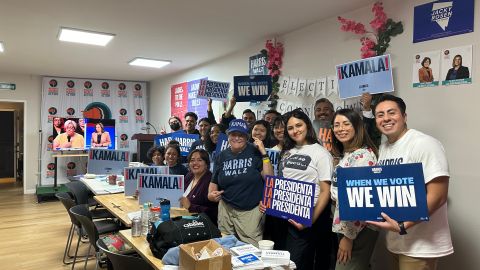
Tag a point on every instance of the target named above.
point(154, 216)
point(145, 218)
point(165, 205)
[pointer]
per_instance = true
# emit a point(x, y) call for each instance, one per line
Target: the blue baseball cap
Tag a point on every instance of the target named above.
point(238, 125)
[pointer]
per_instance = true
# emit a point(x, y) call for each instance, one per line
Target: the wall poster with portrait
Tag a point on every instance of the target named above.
point(426, 69)
point(457, 65)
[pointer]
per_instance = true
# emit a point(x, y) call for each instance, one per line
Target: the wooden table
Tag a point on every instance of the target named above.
point(120, 205)
point(140, 244)
point(99, 185)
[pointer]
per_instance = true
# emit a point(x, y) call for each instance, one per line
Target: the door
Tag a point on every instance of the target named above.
point(7, 144)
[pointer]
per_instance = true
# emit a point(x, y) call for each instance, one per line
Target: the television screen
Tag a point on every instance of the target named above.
point(68, 133)
point(100, 133)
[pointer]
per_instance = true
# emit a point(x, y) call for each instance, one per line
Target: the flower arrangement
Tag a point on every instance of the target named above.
point(274, 52)
point(377, 41)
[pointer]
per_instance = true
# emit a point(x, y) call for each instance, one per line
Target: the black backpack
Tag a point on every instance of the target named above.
point(180, 230)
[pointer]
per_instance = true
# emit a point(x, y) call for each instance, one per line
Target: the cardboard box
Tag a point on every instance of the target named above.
point(189, 262)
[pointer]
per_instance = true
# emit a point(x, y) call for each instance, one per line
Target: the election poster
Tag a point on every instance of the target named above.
point(213, 89)
point(258, 64)
point(252, 88)
point(426, 69)
point(371, 75)
point(324, 132)
point(155, 187)
point(397, 190)
point(184, 139)
point(179, 99)
point(106, 161)
point(222, 143)
point(130, 174)
point(289, 199)
point(196, 105)
point(457, 65)
point(274, 156)
point(442, 18)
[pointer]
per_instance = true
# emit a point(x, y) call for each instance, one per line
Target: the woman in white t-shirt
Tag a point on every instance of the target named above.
point(304, 159)
point(355, 148)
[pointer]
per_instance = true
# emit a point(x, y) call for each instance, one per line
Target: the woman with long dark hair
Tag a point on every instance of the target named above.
point(355, 148)
point(261, 131)
point(173, 159)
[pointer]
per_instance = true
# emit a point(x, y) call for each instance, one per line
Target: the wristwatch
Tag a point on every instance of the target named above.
point(402, 231)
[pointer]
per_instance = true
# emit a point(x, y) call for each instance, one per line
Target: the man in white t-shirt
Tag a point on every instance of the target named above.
point(414, 245)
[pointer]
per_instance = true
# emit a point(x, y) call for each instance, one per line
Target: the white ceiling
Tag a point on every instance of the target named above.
point(188, 32)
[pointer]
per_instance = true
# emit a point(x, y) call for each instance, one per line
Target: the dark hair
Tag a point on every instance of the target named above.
point(311, 136)
point(272, 111)
point(278, 120)
point(192, 114)
point(205, 119)
point(101, 125)
point(176, 146)
point(248, 111)
point(324, 100)
point(388, 97)
point(360, 138)
point(425, 59)
point(203, 155)
point(453, 61)
point(152, 150)
point(267, 142)
point(175, 117)
point(210, 146)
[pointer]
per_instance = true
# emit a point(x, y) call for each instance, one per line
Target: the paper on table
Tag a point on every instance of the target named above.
point(135, 214)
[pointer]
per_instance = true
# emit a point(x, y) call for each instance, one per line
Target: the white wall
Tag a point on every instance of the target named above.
point(313, 51)
point(28, 90)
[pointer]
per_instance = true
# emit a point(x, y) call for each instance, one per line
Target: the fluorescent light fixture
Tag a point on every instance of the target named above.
point(85, 37)
point(144, 62)
point(1, 47)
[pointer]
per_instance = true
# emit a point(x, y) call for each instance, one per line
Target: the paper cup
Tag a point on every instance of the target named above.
point(265, 244)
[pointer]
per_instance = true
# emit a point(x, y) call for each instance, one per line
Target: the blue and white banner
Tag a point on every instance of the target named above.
point(214, 90)
point(258, 64)
point(222, 143)
point(252, 88)
point(289, 199)
point(130, 174)
point(184, 139)
point(442, 19)
point(105, 161)
point(371, 75)
point(274, 156)
point(397, 190)
point(154, 187)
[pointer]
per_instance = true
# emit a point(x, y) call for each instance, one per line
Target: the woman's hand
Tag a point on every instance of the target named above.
point(262, 207)
point(184, 202)
point(215, 196)
point(389, 223)
point(344, 250)
point(297, 225)
point(259, 145)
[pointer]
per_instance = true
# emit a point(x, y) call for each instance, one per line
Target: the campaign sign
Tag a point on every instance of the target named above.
point(258, 64)
point(252, 88)
point(397, 190)
point(196, 105)
point(154, 187)
point(371, 75)
point(184, 139)
point(442, 19)
point(106, 161)
point(130, 174)
point(214, 90)
point(289, 199)
point(222, 143)
point(274, 156)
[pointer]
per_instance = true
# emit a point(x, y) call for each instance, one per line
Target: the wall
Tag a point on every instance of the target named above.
point(314, 50)
point(28, 90)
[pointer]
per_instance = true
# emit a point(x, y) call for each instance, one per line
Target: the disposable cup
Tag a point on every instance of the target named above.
point(265, 244)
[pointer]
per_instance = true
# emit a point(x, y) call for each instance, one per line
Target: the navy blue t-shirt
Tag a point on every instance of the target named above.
point(239, 176)
point(178, 169)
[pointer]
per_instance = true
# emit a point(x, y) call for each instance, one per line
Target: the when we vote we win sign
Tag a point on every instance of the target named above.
point(397, 190)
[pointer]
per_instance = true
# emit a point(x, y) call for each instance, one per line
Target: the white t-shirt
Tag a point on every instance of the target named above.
point(309, 163)
point(429, 239)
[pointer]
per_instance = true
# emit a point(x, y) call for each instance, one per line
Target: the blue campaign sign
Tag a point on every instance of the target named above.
point(154, 187)
point(252, 88)
point(196, 105)
point(371, 75)
point(274, 156)
point(130, 174)
point(184, 139)
point(214, 90)
point(289, 199)
point(258, 64)
point(442, 19)
point(397, 190)
point(222, 143)
point(106, 161)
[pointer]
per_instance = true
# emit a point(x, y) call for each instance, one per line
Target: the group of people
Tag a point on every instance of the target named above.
point(70, 134)
point(231, 193)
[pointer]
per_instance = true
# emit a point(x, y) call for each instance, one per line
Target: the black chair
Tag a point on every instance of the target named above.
point(123, 262)
point(82, 195)
point(93, 229)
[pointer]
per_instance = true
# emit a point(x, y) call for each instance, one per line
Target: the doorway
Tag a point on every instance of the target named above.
point(11, 142)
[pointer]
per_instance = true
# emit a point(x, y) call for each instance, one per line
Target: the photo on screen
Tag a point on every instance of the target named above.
point(100, 133)
point(68, 133)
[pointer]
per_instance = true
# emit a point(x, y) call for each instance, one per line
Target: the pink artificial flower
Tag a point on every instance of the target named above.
point(378, 23)
point(368, 54)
